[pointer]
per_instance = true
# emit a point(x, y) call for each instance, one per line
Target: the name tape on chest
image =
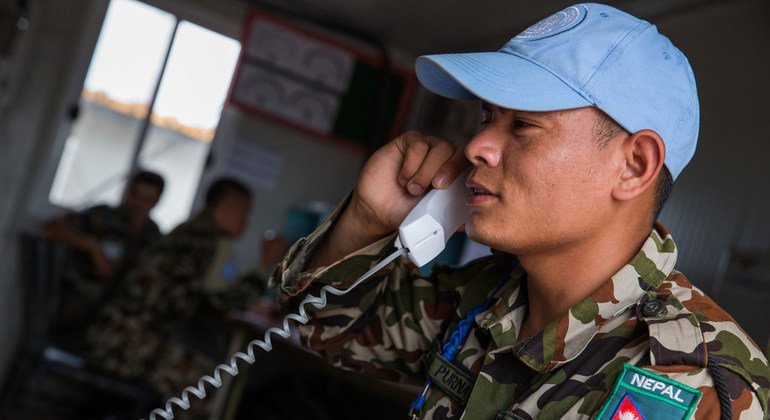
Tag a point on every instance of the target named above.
point(639, 394)
point(452, 379)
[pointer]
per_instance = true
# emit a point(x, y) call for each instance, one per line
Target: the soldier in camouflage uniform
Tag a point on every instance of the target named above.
point(588, 116)
point(166, 325)
point(105, 242)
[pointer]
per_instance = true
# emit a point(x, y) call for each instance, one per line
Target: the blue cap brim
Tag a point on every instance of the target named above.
point(499, 78)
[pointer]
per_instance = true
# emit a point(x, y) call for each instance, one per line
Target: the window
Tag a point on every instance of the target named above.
point(152, 99)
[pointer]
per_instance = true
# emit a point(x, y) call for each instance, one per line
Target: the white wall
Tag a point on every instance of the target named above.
point(313, 169)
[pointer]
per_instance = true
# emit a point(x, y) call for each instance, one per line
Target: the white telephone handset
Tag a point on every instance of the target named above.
point(427, 228)
point(422, 235)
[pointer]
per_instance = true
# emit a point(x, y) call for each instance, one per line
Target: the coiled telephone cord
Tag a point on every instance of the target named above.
point(266, 344)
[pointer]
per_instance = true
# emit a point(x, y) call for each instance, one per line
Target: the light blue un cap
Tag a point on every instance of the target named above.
point(587, 54)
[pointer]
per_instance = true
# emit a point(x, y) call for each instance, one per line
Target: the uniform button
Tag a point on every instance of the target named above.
point(653, 308)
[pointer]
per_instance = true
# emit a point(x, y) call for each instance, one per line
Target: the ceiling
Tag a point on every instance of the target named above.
point(430, 26)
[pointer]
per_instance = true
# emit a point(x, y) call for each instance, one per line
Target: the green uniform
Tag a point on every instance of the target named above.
point(83, 292)
point(583, 365)
point(164, 326)
point(111, 226)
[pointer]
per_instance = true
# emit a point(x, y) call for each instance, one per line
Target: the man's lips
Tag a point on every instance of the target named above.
point(477, 188)
point(478, 193)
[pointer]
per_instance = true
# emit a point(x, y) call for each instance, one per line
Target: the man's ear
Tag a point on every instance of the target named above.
point(644, 153)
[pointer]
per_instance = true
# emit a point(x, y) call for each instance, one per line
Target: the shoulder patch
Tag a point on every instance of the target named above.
point(639, 394)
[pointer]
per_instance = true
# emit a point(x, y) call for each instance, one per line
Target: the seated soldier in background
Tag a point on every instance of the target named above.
point(165, 326)
point(105, 241)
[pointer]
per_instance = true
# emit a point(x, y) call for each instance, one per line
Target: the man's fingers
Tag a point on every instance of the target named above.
point(439, 153)
point(423, 156)
point(452, 168)
point(415, 148)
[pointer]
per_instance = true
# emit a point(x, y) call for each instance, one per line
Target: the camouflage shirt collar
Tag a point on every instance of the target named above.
point(565, 338)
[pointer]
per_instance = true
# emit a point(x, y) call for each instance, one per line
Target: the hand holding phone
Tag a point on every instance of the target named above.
point(391, 184)
point(396, 177)
point(427, 228)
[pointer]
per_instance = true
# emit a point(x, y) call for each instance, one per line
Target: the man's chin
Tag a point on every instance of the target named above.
point(491, 237)
point(478, 235)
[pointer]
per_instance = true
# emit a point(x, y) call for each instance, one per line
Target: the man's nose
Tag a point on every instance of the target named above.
point(485, 148)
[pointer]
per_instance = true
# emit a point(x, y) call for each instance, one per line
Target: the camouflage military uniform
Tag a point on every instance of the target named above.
point(83, 291)
point(165, 325)
point(112, 227)
point(647, 315)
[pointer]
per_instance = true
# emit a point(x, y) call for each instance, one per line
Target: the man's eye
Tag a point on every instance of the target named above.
point(486, 117)
point(519, 124)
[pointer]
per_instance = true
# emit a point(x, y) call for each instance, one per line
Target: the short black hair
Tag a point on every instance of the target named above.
point(607, 128)
point(224, 187)
point(662, 190)
point(148, 177)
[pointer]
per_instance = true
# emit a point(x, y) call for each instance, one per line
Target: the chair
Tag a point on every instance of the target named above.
point(47, 374)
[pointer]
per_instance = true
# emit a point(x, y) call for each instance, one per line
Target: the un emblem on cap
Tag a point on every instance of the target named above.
point(554, 24)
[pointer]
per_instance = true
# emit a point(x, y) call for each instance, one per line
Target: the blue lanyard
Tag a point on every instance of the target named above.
point(458, 337)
